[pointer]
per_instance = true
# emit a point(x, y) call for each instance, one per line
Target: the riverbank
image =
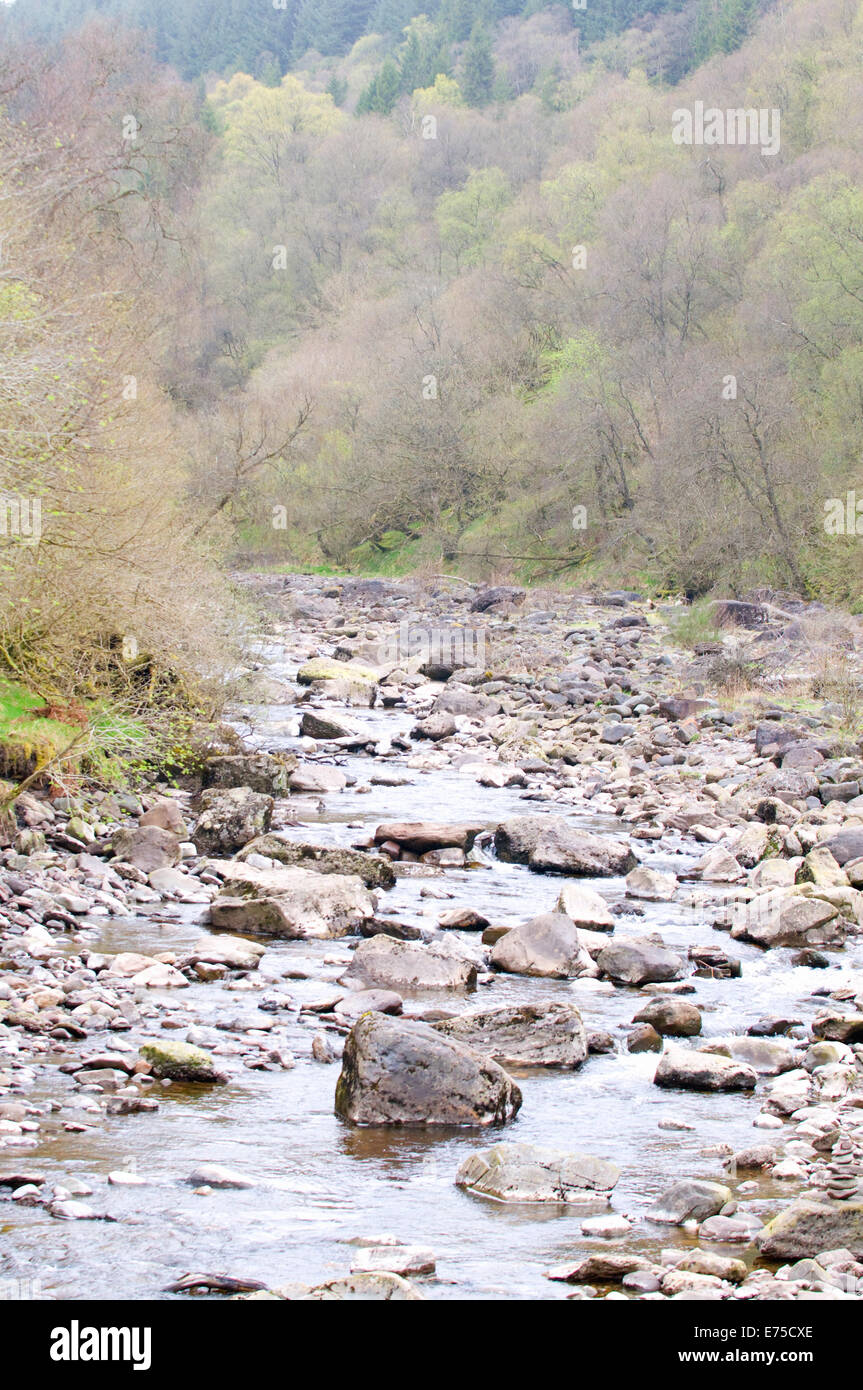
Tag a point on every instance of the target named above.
point(597, 890)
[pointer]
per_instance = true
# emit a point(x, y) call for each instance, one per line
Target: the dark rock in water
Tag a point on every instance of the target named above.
point(384, 926)
point(771, 1027)
point(396, 1072)
point(501, 593)
point(644, 1038)
point(815, 960)
point(599, 1043)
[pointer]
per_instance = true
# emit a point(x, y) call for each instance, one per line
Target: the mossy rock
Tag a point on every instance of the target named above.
point(322, 668)
point(178, 1061)
point(375, 870)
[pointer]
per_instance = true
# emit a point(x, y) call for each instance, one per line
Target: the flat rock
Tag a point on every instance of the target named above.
point(528, 1173)
point(296, 903)
point(407, 966)
point(699, 1071)
point(542, 1034)
point(549, 844)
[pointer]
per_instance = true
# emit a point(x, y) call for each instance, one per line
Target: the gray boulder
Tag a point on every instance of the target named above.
point(694, 1199)
point(699, 1071)
point(396, 1072)
point(230, 817)
point(547, 946)
point(294, 903)
point(549, 844)
point(407, 967)
point(636, 960)
point(543, 1034)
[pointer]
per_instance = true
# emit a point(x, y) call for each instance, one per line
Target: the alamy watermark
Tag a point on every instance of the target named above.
point(843, 516)
point(438, 646)
point(21, 517)
point(739, 125)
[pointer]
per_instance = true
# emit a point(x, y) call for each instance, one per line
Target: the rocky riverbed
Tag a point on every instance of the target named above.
point(505, 950)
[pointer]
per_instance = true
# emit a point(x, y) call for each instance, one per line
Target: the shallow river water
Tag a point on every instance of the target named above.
point(322, 1183)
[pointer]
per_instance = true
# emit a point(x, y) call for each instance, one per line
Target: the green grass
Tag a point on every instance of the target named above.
point(695, 625)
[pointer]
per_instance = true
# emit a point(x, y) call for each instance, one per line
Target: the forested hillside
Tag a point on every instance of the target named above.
point(481, 311)
point(267, 39)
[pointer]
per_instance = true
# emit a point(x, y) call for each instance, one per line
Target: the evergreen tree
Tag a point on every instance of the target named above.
point(477, 72)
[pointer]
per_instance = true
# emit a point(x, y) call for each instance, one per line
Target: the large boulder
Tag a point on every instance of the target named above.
point(230, 817)
point(396, 1072)
point(528, 1173)
point(294, 903)
point(693, 1199)
point(544, 1034)
point(419, 837)
point(699, 1071)
point(318, 777)
point(407, 967)
point(456, 700)
point(637, 960)
point(672, 1018)
point(547, 946)
point(779, 918)
point(375, 870)
point(324, 671)
point(549, 844)
point(845, 844)
point(147, 848)
point(651, 885)
point(807, 1227)
point(267, 773)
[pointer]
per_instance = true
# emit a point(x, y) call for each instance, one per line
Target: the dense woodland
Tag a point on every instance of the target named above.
point(441, 292)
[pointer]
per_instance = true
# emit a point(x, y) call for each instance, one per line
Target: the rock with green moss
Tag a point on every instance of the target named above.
point(177, 1061)
point(374, 870)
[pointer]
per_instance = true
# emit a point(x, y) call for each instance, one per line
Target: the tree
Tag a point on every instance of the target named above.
point(476, 78)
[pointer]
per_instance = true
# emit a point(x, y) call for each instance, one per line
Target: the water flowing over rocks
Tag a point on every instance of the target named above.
point(403, 875)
